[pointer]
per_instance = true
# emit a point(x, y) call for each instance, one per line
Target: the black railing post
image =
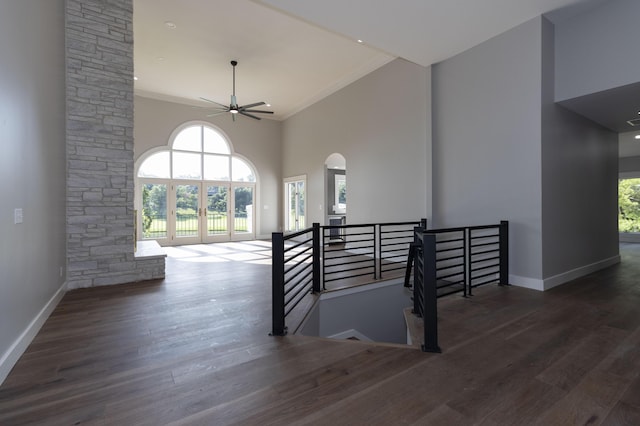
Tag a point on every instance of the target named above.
point(418, 279)
point(316, 258)
point(377, 251)
point(412, 254)
point(430, 296)
point(377, 260)
point(423, 223)
point(277, 284)
point(504, 252)
point(323, 243)
point(466, 245)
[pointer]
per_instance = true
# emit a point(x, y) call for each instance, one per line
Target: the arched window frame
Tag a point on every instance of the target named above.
point(169, 148)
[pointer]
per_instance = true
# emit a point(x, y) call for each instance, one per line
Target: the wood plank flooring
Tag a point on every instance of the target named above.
point(194, 349)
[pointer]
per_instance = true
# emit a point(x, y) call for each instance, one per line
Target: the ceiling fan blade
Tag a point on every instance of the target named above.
point(217, 103)
point(216, 113)
point(251, 105)
point(249, 115)
point(257, 110)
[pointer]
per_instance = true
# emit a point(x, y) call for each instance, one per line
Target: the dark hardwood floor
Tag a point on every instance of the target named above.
point(194, 349)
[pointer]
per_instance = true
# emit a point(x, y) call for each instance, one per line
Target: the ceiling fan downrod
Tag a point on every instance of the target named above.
point(234, 103)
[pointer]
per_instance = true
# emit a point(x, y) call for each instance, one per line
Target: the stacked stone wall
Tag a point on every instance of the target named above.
point(100, 185)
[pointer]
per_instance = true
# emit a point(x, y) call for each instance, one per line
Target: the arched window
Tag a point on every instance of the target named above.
point(196, 189)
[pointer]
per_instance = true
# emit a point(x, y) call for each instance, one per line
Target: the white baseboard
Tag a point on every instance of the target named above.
point(15, 351)
point(556, 280)
point(564, 277)
point(526, 282)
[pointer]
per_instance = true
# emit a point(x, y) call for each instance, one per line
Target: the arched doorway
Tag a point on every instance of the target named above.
point(197, 190)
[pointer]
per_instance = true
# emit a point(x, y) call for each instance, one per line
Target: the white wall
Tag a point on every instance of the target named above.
point(258, 141)
point(597, 50)
point(579, 186)
point(380, 125)
point(486, 142)
point(32, 169)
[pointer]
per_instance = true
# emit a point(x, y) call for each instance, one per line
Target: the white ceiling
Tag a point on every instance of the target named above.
point(281, 60)
point(292, 53)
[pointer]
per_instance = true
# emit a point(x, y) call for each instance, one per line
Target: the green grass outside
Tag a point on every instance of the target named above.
point(189, 226)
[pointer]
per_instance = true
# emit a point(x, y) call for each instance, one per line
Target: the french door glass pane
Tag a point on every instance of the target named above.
point(301, 221)
point(291, 207)
point(189, 139)
point(154, 210)
point(241, 171)
point(217, 212)
point(216, 167)
point(187, 210)
point(214, 142)
point(156, 166)
point(186, 165)
point(243, 215)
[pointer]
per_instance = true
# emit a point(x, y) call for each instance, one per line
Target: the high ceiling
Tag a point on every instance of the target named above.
point(292, 53)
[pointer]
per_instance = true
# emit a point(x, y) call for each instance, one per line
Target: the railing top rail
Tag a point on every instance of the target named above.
point(399, 223)
point(460, 228)
point(358, 225)
point(297, 234)
point(444, 230)
point(362, 225)
point(484, 227)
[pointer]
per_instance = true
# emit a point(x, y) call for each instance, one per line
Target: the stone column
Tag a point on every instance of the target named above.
point(100, 186)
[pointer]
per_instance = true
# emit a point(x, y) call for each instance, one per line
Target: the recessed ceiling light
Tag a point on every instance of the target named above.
point(170, 25)
point(160, 58)
point(360, 41)
point(268, 105)
point(135, 78)
point(637, 136)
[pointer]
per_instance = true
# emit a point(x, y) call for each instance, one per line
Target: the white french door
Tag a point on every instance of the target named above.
point(217, 212)
point(228, 212)
point(294, 189)
point(192, 212)
point(187, 212)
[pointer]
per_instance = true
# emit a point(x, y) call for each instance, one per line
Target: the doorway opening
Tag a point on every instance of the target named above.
point(294, 190)
point(336, 189)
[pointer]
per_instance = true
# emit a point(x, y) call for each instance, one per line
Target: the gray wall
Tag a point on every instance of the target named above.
point(375, 311)
point(597, 50)
point(32, 164)
point(258, 141)
point(629, 165)
point(579, 184)
point(486, 143)
point(380, 125)
point(504, 150)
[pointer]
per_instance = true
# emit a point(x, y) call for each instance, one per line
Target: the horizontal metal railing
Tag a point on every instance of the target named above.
point(455, 260)
point(361, 253)
point(334, 256)
point(295, 272)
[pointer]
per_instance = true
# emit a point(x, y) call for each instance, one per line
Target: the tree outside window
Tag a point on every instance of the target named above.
point(629, 205)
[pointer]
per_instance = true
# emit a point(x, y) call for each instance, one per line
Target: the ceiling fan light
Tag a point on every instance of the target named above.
point(233, 111)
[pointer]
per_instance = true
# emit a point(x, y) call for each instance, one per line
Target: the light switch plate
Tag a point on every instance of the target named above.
point(17, 216)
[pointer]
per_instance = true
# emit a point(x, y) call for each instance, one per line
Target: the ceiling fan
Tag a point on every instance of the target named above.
point(234, 108)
